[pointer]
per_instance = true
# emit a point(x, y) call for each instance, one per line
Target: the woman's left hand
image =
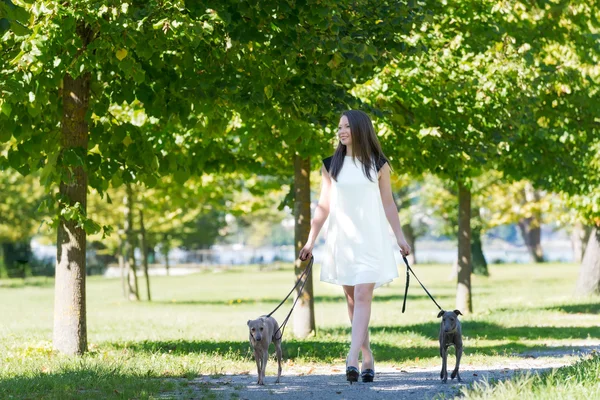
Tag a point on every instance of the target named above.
point(404, 247)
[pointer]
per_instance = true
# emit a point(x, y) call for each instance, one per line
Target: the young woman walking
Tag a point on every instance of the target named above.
point(356, 195)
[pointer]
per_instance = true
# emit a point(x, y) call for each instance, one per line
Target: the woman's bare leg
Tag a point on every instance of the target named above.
point(359, 299)
point(367, 354)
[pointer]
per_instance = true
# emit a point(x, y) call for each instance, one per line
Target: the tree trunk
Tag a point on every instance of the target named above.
point(144, 247)
point(409, 235)
point(304, 314)
point(589, 273)
point(579, 238)
point(132, 283)
point(122, 269)
point(463, 290)
point(531, 227)
point(532, 235)
point(166, 248)
point(479, 264)
point(70, 331)
point(3, 269)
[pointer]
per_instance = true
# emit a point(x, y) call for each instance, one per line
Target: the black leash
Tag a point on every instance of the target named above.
point(302, 275)
point(408, 268)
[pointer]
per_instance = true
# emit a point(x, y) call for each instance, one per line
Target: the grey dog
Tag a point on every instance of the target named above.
point(450, 335)
point(263, 331)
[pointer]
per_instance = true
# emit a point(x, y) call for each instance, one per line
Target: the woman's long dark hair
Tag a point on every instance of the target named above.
point(365, 145)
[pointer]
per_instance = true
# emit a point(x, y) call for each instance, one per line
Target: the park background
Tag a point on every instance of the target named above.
point(141, 141)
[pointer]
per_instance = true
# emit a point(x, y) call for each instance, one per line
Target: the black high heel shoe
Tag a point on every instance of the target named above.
point(351, 373)
point(368, 375)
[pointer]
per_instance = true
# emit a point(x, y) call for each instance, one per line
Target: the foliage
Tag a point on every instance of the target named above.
point(19, 200)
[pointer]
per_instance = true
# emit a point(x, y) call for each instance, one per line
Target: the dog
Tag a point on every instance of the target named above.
point(450, 335)
point(263, 331)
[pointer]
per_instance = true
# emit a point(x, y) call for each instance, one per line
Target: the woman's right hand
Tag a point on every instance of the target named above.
point(306, 251)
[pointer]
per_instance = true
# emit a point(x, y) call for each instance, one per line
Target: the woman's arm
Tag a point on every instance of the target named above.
point(391, 212)
point(321, 214)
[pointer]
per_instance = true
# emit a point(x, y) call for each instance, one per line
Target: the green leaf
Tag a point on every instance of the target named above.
point(159, 24)
point(33, 109)
point(150, 180)
point(90, 227)
point(139, 76)
point(116, 180)
point(6, 108)
point(121, 54)
point(6, 129)
point(268, 92)
point(181, 176)
point(19, 29)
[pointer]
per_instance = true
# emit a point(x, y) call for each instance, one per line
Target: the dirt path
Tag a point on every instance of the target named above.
point(325, 382)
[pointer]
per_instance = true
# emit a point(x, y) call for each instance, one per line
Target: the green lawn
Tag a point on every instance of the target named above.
point(197, 325)
point(578, 381)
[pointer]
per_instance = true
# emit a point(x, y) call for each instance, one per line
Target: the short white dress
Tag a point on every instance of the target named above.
point(359, 247)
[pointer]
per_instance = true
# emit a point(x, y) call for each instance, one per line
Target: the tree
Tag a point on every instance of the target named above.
point(65, 65)
point(451, 104)
point(441, 200)
point(588, 210)
point(133, 293)
point(559, 143)
point(320, 52)
point(522, 204)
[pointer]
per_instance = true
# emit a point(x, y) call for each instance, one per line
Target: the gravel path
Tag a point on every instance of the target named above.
point(325, 382)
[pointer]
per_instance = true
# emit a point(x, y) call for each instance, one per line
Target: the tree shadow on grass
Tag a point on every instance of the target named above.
point(588, 308)
point(85, 382)
point(18, 283)
point(482, 330)
point(316, 350)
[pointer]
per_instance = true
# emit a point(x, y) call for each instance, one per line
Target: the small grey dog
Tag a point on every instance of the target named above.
point(263, 331)
point(450, 335)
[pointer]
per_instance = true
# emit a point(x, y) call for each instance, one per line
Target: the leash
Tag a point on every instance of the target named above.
point(408, 268)
point(302, 275)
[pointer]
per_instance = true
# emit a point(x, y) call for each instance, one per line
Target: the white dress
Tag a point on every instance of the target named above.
point(359, 247)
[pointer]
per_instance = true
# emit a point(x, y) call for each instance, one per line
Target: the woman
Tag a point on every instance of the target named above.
point(356, 195)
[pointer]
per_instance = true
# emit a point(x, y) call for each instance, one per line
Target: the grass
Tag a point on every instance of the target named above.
point(196, 325)
point(578, 381)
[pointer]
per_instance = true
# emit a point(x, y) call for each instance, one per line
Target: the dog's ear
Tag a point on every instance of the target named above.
point(249, 322)
point(457, 312)
point(441, 313)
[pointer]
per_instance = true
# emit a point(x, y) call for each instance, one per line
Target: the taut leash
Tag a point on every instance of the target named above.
point(408, 268)
point(304, 275)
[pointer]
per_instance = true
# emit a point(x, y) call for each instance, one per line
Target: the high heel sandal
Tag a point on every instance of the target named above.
point(368, 374)
point(351, 373)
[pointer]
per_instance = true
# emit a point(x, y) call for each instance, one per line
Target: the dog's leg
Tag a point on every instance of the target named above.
point(444, 373)
point(265, 358)
point(278, 351)
point(458, 355)
point(258, 362)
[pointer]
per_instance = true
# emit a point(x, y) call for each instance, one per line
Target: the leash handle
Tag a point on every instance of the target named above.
point(285, 321)
point(408, 268)
point(406, 290)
